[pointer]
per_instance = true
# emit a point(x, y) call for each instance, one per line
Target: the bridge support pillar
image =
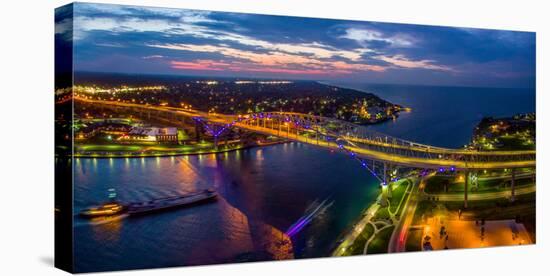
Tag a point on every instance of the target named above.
point(197, 132)
point(385, 188)
point(389, 183)
point(316, 137)
point(467, 175)
point(215, 135)
point(287, 130)
point(513, 186)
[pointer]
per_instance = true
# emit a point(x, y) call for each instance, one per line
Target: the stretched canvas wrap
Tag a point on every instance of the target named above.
point(188, 137)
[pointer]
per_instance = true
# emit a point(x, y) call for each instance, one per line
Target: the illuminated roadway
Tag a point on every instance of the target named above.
point(335, 134)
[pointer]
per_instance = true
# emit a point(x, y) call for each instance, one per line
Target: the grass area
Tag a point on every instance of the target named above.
point(379, 225)
point(141, 147)
point(380, 242)
point(148, 149)
point(436, 184)
point(88, 147)
point(359, 244)
point(414, 239)
point(524, 206)
point(397, 194)
point(382, 214)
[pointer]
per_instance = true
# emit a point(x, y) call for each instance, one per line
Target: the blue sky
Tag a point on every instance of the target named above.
point(145, 40)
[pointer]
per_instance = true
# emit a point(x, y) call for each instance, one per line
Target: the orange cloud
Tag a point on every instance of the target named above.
point(200, 64)
point(273, 61)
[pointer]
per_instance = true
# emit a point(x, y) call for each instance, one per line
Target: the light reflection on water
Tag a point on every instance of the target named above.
point(262, 192)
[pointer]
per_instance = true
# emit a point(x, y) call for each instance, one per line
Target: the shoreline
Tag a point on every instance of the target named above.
point(343, 241)
point(151, 155)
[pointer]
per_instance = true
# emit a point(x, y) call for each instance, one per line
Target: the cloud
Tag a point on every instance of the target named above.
point(153, 57)
point(315, 49)
point(111, 45)
point(274, 61)
point(200, 64)
point(188, 27)
point(212, 65)
point(363, 36)
point(84, 24)
point(164, 40)
point(403, 62)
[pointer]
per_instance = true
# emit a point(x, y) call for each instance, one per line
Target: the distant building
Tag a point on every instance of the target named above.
point(86, 132)
point(373, 113)
point(106, 127)
point(153, 134)
point(167, 134)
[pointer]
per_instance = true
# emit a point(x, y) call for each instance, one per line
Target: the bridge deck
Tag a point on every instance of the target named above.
point(403, 152)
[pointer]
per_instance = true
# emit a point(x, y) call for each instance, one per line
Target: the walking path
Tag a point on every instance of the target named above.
point(377, 224)
point(349, 239)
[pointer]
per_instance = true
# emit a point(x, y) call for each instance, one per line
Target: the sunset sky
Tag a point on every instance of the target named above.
point(129, 39)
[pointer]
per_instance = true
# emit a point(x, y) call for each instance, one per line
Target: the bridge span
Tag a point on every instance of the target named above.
point(331, 133)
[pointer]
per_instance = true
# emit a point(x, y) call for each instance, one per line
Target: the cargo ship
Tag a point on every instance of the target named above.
point(162, 204)
point(155, 205)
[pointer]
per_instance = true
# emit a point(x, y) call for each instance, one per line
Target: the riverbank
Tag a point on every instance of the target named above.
point(167, 152)
point(370, 235)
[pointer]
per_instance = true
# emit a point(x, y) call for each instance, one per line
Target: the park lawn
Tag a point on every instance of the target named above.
point(380, 242)
point(143, 149)
point(381, 214)
point(498, 209)
point(96, 147)
point(435, 185)
point(359, 244)
point(137, 148)
point(398, 193)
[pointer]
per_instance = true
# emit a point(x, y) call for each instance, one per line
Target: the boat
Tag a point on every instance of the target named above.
point(106, 209)
point(139, 208)
point(162, 204)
